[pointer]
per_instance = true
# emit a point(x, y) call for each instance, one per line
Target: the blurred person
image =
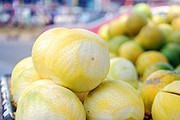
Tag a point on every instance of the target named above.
point(8, 11)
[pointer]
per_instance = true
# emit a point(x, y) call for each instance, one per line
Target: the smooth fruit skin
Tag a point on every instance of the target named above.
point(23, 75)
point(153, 84)
point(77, 59)
point(43, 100)
point(130, 50)
point(117, 27)
point(114, 100)
point(135, 23)
point(166, 105)
point(143, 9)
point(148, 58)
point(150, 37)
point(123, 69)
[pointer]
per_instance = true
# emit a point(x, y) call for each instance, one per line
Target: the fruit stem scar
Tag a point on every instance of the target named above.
point(92, 58)
point(178, 94)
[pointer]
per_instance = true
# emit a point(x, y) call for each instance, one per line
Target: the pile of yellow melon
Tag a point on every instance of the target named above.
point(67, 64)
point(70, 76)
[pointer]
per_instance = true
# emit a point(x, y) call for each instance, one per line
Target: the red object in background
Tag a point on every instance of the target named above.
point(8, 10)
point(155, 8)
point(7, 6)
point(128, 2)
point(94, 28)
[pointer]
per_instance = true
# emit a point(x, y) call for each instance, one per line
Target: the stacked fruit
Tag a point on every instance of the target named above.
point(70, 75)
point(64, 79)
point(150, 44)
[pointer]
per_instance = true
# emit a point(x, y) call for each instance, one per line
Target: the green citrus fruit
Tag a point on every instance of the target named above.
point(172, 52)
point(142, 8)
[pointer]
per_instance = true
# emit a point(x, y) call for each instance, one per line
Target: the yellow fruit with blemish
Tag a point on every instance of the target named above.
point(154, 83)
point(114, 100)
point(166, 105)
point(44, 100)
point(23, 75)
point(74, 58)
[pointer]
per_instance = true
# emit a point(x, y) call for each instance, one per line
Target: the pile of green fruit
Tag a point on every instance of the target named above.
point(150, 43)
point(71, 75)
point(132, 34)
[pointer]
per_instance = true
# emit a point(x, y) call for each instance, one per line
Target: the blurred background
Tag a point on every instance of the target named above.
point(22, 21)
